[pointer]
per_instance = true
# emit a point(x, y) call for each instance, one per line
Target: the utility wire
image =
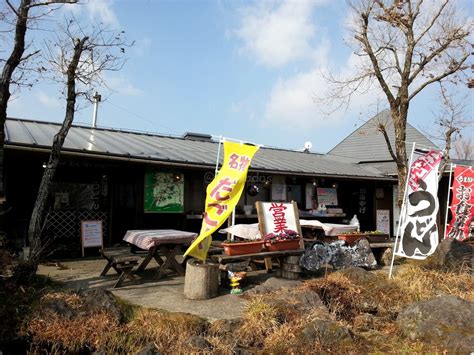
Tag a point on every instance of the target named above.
point(140, 117)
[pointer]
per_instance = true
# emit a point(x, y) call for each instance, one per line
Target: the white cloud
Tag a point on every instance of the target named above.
point(122, 85)
point(102, 11)
point(277, 32)
point(48, 101)
point(292, 101)
point(141, 46)
point(97, 11)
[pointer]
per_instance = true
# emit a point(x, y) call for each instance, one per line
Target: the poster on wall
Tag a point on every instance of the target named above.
point(383, 221)
point(327, 196)
point(278, 188)
point(164, 192)
point(309, 195)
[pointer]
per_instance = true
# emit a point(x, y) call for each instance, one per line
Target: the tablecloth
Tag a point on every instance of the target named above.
point(147, 239)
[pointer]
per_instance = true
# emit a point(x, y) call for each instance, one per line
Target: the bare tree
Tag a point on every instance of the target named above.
point(403, 47)
point(464, 148)
point(78, 59)
point(451, 119)
point(21, 19)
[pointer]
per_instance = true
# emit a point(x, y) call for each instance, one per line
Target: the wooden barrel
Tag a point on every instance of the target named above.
point(290, 268)
point(201, 281)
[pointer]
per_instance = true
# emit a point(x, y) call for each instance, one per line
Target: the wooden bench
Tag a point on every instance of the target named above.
point(223, 259)
point(122, 260)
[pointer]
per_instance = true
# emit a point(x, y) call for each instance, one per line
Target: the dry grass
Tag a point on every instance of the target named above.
point(72, 335)
point(366, 302)
point(168, 331)
point(422, 283)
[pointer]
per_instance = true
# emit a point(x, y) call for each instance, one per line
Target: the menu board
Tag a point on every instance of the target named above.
point(91, 234)
point(327, 196)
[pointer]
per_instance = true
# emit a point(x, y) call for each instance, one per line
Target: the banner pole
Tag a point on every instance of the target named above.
point(218, 155)
point(402, 211)
point(447, 201)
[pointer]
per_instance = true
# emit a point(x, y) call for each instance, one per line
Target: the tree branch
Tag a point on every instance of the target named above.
point(364, 39)
point(439, 77)
point(381, 128)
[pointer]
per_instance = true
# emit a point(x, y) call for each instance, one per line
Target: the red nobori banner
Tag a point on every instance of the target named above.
point(462, 203)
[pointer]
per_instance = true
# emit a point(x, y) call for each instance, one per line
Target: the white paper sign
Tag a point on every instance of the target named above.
point(91, 234)
point(383, 221)
point(278, 216)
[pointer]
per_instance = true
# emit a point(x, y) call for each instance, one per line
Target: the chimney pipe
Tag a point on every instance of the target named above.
point(97, 98)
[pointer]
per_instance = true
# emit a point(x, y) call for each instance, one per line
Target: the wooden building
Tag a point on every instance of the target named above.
point(135, 180)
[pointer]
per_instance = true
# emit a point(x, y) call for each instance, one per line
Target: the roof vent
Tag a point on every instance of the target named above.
point(198, 137)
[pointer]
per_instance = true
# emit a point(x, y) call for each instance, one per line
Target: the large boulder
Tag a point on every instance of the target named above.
point(327, 332)
point(452, 254)
point(445, 320)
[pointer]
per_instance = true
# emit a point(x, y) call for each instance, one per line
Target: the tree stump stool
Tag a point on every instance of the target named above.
point(290, 268)
point(201, 281)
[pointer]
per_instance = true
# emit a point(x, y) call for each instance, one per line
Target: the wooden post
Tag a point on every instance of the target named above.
point(201, 281)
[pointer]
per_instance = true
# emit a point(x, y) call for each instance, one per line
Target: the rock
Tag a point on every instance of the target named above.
point(199, 342)
point(59, 307)
point(327, 332)
point(101, 300)
point(358, 275)
point(452, 254)
point(273, 284)
point(444, 320)
point(339, 255)
point(304, 301)
point(149, 349)
point(224, 326)
point(386, 257)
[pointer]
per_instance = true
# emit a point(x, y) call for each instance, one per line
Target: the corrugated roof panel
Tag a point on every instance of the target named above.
point(164, 148)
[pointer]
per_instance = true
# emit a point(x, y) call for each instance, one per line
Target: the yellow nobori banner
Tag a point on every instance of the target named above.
point(223, 193)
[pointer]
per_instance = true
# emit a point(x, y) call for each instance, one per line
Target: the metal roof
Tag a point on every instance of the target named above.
point(153, 148)
point(367, 144)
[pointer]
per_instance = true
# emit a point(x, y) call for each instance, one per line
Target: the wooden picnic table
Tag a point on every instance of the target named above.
point(159, 243)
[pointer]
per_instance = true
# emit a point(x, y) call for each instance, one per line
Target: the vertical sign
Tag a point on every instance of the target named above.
point(462, 204)
point(419, 232)
point(383, 221)
point(91, 234)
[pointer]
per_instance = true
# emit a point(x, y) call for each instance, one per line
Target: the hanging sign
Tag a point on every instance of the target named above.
point(223, 194)
point(419, 232)
point(462, 203)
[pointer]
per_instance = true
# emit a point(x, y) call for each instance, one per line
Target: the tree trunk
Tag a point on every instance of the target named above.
point(37, 216)
point(10, 65)
point(399, 119)
point(201, 281)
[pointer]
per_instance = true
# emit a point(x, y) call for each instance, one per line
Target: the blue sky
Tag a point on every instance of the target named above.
point(241, 69)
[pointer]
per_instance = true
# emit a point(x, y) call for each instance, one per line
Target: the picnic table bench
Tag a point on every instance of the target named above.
point(122, 261)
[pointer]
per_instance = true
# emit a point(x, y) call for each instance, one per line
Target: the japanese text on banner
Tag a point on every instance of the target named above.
point(419, 232)
point(462, 203)
point(223, 194)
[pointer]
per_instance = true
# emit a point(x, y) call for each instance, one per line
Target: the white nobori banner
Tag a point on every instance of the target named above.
point(419, 232)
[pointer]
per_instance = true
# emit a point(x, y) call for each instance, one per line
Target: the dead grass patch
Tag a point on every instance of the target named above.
point(72, 335)
point(421, 283)
point(169, 331)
